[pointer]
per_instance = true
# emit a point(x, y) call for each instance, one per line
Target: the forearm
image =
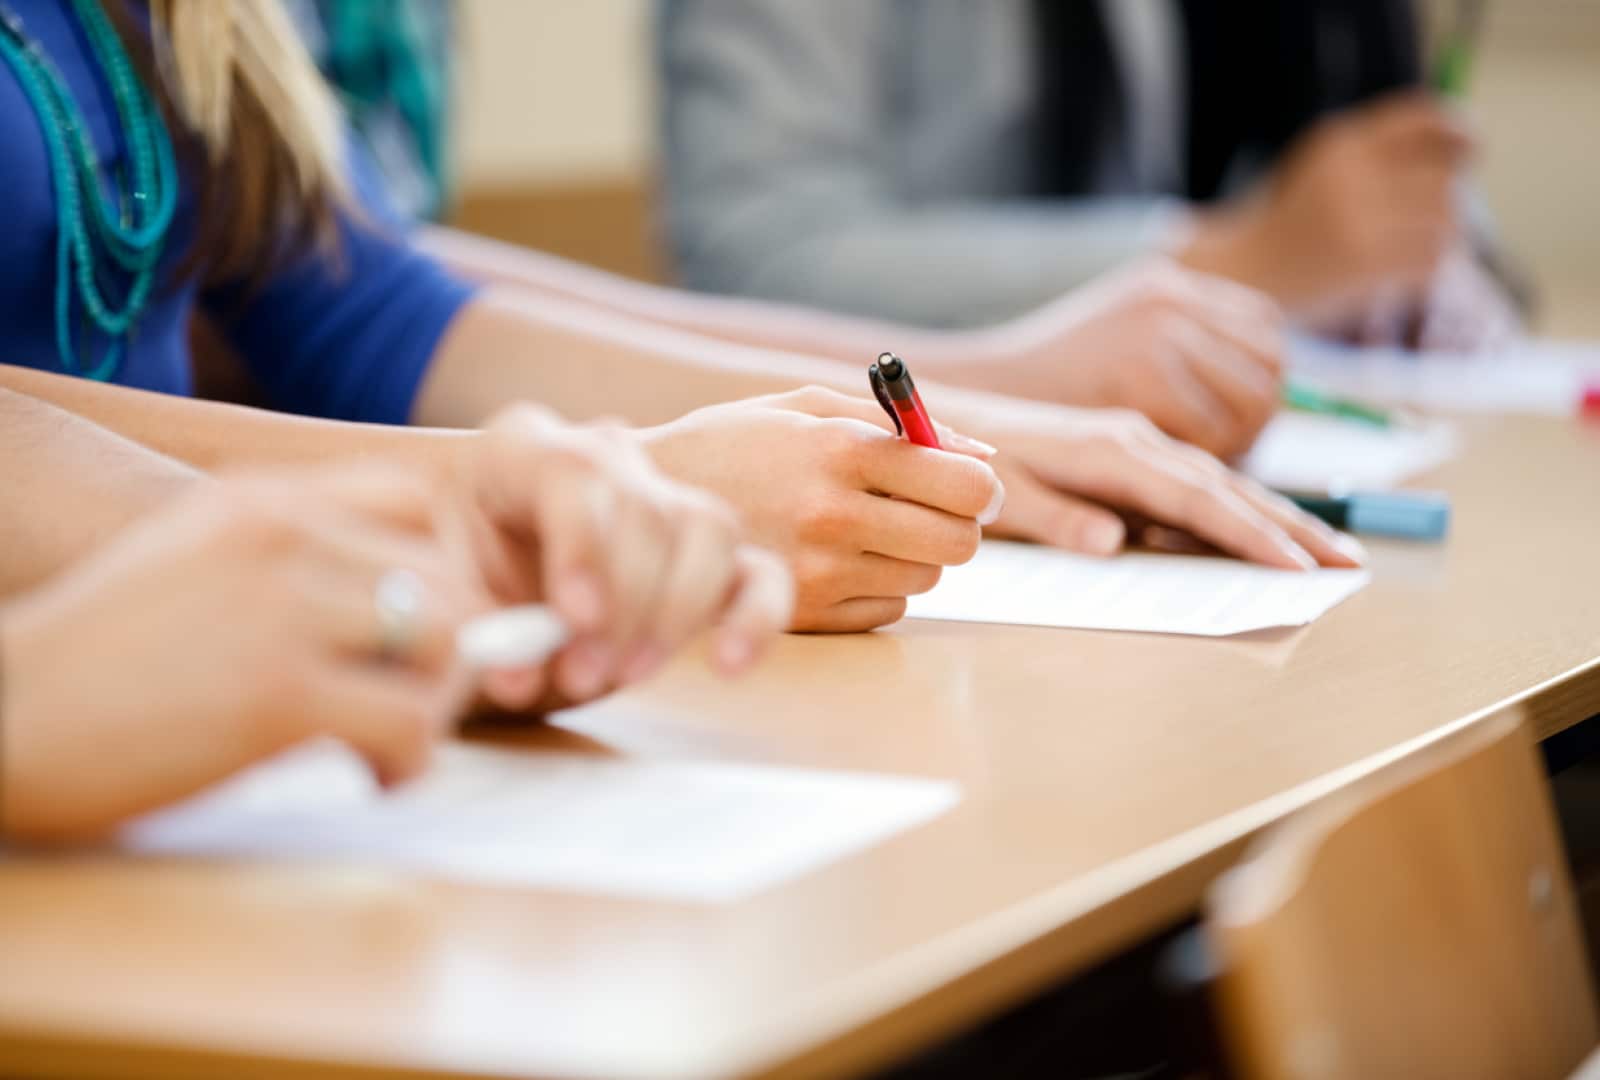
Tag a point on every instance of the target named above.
point(587, 362)
point(208, 435)
point(69, 485)
point(959, 266)
point(737, 320)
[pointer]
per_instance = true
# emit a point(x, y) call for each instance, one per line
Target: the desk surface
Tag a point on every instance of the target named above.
point(1108, 778)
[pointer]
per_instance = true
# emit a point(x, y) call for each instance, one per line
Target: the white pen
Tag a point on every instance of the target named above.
point(513, 637)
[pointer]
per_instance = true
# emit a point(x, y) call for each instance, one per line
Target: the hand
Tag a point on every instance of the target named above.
point(1200, 355)
point(1366, 200)
point(636, 563)
point(1466, 310)
point(235, 623)
point(1073, 476)
point(865, 519)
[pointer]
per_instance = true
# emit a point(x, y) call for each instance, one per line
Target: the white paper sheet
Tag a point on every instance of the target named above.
point(1536, 377)
point(694, 831)
point(1028, 585)
point(1303, 452)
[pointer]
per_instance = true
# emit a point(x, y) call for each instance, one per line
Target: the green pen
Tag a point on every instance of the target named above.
point(1304, 399)
point(1454, 62)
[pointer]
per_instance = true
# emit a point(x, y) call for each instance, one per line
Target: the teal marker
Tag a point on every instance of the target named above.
point(1405, 515)
point(1305, 399)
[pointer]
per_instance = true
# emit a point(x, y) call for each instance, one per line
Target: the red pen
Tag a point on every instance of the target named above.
point(892, 386)
point(1589, 401)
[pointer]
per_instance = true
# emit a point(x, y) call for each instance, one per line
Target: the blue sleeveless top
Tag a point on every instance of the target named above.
point(347, 338)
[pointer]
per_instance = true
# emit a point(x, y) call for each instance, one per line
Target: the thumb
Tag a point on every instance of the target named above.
point(1038, 513)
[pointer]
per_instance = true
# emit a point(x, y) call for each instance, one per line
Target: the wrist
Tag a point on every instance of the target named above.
point(1227, 243)
point(24, 668)
point(658, 443)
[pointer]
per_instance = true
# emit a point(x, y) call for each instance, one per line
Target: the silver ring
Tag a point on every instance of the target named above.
point(398, 603)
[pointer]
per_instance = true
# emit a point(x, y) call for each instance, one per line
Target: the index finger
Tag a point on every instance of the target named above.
point(1323, 543)
point(1187, 488)
point(1328, 546)
point(955, 483)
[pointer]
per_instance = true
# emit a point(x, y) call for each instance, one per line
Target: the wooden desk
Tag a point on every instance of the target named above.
point(1108, 778)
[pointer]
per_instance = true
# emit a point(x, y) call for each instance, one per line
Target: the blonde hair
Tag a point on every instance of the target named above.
point(247, 101)
point(209, 50)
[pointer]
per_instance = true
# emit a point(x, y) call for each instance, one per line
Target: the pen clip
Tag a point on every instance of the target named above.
point(881, 392)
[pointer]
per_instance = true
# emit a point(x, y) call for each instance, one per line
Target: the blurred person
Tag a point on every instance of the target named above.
point(389, 63)
point(1200, 359)
point(253, 612)
point(237, 207)
point(952, 164)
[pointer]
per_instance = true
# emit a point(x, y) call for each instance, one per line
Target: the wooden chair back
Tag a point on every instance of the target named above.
point(1420, 925)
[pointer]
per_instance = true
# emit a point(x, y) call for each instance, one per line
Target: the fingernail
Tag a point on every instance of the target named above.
point(588, 665)
point(643, 663)
point(1350, 547)
point(966, 443)
point(991, 513)
point(578, 597)
point(1103, 536)
point(734, 652)
point(1298, 554)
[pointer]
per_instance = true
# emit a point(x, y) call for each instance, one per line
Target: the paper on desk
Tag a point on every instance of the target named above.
point(1535, 377)
point(692, 831)
point(1028, 585)
point(1304, 452)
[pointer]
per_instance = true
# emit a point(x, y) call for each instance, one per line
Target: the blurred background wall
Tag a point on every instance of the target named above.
point(556, 133)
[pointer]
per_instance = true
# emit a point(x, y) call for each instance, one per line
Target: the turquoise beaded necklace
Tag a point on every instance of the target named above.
point(98, 232)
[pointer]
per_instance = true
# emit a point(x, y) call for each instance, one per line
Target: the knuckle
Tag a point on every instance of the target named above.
point(1212, 475)
point(815, 399)
point(249, 522)
point(843, 443)
point(519, 427)
point(1123, 418)
point(576, 457)
point(824, 517)
point(1129, 429)
point(520, 415)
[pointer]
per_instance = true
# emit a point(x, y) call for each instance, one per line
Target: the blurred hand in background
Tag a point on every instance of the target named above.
point(1363, 207)
point(1201, 356)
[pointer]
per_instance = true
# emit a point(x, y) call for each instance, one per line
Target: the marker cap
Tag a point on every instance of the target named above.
point(1410, 515)
point(1589, 404)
